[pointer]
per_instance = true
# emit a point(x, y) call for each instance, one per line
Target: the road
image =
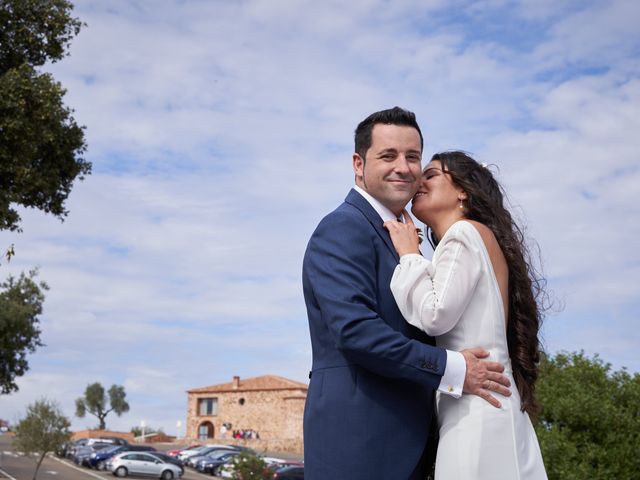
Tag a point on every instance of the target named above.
point(18, 467)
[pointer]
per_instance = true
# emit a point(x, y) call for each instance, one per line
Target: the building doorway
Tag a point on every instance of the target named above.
point(205, 431)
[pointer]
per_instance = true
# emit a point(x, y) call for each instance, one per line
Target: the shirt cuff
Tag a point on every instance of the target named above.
point(453, 379)
point(408, 256)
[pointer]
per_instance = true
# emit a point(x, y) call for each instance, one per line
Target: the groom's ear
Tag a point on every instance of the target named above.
point(358, 165)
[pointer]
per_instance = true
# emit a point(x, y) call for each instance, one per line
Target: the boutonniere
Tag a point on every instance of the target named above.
point(420, 235)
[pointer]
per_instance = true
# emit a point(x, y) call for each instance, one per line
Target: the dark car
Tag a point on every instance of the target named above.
point(73, 446)
point(62, 450)
point(244, 449)
point(81, 455)
point(207, 452)
point(212, 463)
point(289, 473)
point(112, 440)
point(100, 458)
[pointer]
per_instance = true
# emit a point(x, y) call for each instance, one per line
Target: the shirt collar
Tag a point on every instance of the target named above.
point(380, 209)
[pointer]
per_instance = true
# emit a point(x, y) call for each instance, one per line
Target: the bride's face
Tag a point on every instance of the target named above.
point(437, 195)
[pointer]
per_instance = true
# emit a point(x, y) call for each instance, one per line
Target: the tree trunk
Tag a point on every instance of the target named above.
point(35, 474)
point(103, 425)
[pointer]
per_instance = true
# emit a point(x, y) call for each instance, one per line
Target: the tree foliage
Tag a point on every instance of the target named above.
point(95, 402)
point(44, 429)
point(41, 149)
point(41, 145)
point(20, 305)
point(589, 424)
point(139, 431)
point(248, 466)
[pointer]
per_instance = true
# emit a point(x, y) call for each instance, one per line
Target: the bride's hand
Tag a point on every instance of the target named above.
point(403, 235)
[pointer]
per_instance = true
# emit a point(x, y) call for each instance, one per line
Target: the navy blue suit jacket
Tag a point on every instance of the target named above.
point(373, 378)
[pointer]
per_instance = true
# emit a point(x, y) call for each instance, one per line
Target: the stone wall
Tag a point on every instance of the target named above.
point(275, 414)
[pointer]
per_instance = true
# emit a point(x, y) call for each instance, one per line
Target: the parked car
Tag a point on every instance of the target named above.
point(74, 446)
point(81, 455)
point(111, 440)
point(187, 452)
point(169, 459)
point(211, 463)
point(289, 473)
point(174, 453)
point(202, 450)
point(63, 449)
point(207, 452)
point(275, 463)
point(142, 463)
point(244, 449)
point(100, 458)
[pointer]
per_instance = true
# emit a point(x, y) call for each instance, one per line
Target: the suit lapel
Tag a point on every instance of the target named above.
point(359, 202)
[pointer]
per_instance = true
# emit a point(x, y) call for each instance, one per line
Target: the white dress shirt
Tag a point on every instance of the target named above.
point(453, 379)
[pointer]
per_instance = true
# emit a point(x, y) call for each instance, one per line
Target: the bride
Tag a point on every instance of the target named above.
point(479, 290)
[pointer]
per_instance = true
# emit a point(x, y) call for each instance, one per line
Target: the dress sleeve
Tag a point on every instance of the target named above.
point(433, 295)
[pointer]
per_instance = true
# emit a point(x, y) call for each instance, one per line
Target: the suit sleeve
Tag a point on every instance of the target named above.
point(340, 266)
point(433, 296)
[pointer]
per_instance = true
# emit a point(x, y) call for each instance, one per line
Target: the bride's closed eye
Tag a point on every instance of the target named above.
point(430, 173)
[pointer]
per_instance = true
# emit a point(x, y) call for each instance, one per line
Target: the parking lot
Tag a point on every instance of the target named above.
point(18, 467)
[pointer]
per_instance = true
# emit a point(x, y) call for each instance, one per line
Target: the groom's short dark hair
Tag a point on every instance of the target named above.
point(392, 116)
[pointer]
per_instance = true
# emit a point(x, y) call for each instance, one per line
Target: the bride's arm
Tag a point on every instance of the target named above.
point(433, 296)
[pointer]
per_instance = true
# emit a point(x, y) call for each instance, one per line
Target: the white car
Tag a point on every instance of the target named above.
point(142, 463)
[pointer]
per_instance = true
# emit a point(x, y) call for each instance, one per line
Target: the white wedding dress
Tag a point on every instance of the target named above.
point(456, 298)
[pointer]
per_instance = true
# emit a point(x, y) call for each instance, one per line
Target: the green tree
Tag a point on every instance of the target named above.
point(41, 148)
point(41, 145)
point(44, 429)
point(138, 431)
point(20, 305)
point(95, 402)
point(589, 423)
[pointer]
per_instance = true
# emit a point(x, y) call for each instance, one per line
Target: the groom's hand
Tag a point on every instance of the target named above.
point(484, 377)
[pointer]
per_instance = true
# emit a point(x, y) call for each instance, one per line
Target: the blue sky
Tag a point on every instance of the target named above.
point(221, 132)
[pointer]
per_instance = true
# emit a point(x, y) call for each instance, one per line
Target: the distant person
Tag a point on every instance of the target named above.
point(370, 398)
point(223, 431)
point(478, 290)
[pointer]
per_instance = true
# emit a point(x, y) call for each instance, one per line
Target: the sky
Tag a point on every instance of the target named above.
point(221, 132)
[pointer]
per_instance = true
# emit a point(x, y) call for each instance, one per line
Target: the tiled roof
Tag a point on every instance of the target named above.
point(264, 382)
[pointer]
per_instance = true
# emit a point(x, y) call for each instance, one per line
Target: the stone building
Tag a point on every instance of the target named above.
point(270, 405)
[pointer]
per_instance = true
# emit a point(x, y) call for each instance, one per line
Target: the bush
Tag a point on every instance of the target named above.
point(248, 466)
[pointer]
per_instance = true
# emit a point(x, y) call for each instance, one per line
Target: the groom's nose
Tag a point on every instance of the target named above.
point(401, 165)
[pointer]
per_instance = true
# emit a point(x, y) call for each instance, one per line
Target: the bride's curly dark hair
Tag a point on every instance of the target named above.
point(485, 204)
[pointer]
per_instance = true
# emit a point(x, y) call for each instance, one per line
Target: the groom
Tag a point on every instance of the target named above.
point(373, 378)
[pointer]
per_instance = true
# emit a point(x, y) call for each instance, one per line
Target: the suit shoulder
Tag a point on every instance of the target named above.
point(345, 218)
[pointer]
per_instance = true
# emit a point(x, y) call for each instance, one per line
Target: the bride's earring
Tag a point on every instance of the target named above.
point(461, 205)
